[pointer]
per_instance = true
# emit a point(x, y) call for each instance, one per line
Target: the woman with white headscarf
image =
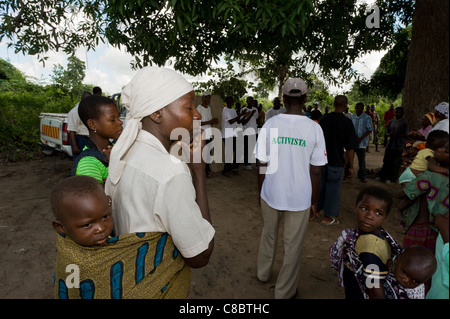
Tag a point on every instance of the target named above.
point(152, 191)
point(441, 114)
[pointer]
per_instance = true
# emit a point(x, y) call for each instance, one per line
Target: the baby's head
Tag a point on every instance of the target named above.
point(82, 210)
point(414, 266)
point(436, 140)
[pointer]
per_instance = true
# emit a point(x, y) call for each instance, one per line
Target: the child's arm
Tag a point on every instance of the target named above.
point(434, 166)
point(404, 204)
point(376, 293)
point(441, 156)
point(374, 270)
point(441, 223)
point(401, 193)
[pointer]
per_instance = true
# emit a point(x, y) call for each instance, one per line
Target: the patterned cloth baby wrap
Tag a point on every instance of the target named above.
point(343, 250)
point(137, 265)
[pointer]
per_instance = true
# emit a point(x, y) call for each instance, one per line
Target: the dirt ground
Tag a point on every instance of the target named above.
point(27, 239)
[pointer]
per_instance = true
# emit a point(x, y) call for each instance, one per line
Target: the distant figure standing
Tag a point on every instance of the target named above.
point(376, 122)
point(388, 115)
point(397, 130)
point(250, 130)
point(276, 109)
point(78, 132)
point(205, 111)
point(363, 127)
point(372, 116)
point(230, 119)
point(339, 134)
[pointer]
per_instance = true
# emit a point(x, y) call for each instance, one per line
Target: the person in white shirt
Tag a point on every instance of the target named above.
point(78, 132)
point(250, 130)
point(276, 109)
point(291, 150)
point(441, 113)
point(207, 120)
point(152, 190)
point(230, 119)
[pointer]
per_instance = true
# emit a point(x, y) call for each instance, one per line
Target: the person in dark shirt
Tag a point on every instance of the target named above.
point(339, 134)
point(397, 130)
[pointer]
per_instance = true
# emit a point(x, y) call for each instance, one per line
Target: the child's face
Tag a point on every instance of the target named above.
point(405, 277)
point(441, 154)
point(109, 124)
point(87, 220)
point(370, 213)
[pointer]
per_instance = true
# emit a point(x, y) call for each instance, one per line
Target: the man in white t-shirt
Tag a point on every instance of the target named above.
point(276, 109)
point(291, 150)
point(250, 129)
point(207, 120)
point(78, 132)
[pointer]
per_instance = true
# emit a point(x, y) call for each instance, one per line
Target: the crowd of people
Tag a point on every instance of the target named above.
point(130, 193)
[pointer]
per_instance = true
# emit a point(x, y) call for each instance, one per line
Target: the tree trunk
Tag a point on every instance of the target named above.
point(427, 80)
point(283, 75)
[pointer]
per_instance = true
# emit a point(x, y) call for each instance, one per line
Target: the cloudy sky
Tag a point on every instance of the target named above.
point(110, 68)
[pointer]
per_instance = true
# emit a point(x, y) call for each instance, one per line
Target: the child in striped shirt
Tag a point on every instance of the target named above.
point(101, 116)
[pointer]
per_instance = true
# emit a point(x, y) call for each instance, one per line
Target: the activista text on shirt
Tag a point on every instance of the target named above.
point(289, 140)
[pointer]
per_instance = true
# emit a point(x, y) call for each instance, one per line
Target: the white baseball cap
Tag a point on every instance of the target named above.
point(294, 87)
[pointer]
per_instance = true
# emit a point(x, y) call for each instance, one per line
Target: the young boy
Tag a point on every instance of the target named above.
point(360, 255)
point(91, 264)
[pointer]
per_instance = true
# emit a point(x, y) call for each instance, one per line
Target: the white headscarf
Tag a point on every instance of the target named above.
point(442, 108)
point(151, 89)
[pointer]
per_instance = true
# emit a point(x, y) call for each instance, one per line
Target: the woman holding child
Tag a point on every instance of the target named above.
point(158, 202)
point(152, 190)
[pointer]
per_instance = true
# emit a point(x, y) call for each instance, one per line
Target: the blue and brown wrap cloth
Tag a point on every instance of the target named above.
point(130, 266)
